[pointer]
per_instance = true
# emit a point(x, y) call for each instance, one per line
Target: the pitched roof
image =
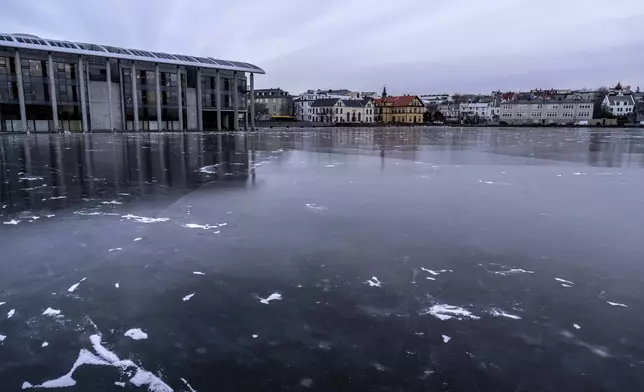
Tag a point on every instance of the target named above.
point(324, 102)
point(628, 99)
point(352, 103)
point(397, 101)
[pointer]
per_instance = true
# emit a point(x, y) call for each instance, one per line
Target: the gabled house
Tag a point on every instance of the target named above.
point(620, 104)
point(405, 109)
point(336, 110)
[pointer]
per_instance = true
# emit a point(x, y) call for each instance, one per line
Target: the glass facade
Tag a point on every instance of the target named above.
point(147, 99)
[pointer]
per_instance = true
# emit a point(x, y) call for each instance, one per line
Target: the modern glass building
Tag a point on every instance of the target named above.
point(48, 85)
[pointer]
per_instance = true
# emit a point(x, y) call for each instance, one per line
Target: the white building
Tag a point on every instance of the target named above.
point(302, 103)
point(620, 104)
point(336, 110)
point(479, 109)
point(435, 99)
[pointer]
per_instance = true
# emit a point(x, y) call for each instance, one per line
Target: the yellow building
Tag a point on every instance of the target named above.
point(406, 109)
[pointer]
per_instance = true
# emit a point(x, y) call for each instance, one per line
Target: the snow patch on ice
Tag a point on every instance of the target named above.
point(114, 249)
point(315, 207)
point(85, 357)
point(11, 313)
point(144, 219)
point(198, 273)
point(564, 281)
point(211, 169)
point(116, 285)
point(30, 178)
point(373, 282)
point(44, 344)
point(513, 271)
point(2, 338)
point(272, 297)
point(51, 312)
point(187, 297)
point(446, 338)
point(576, 326)
point(502, 313)
point(136, 334)
point(190, 388)
point(196, 226)
point(616, 304)
point(446, 312)
point(11, 222)
point(73, 287)
point(119, 384)
point(137, 239)
point(111, 202)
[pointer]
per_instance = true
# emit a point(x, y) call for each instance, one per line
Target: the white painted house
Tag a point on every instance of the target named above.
point(620, 104)
point(336, 110)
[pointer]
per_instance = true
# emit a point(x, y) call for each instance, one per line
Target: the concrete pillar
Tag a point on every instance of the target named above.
point(252, 101)
point(52, 90)
point(108, 73)
point(21, 92)
point(135, 98)
point(199, 102)
point(157, 78)
point(236, 102)
point(218, 98)
point(122, 92)
point(81, 81)
point(179, 90)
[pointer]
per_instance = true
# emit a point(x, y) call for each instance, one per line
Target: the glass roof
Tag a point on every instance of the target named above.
point(36, 43)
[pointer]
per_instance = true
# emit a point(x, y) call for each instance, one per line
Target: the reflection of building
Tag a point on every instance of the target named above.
point(52, 170)
point(406, 109)
point(46, 85)
point(277, 102)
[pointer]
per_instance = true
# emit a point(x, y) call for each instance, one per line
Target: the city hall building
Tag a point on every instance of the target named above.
point(49, 85)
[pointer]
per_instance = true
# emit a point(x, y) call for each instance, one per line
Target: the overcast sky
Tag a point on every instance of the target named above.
point(412, 46)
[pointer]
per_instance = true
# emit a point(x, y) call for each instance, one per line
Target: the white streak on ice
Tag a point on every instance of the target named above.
point(114, 249)
point(196, 226)
point(446, 338)
point(73, 287)
point(576, 326)
point(513, 271)
point(137, 239)
point(2, 303)
point(446, 312)
point(2, 338)
point(373, 282)
point(51, 312)
point(188, 385)
point(11, 313)
point(616, 304)
point(272, 297)
point(430, 278)
point(112, 202)
point(255, 336)
point(198, 273)
point(564, 281)
point(119, 384)
point(502, 313)
point(45, 344)
point(136, 334)
point(315, 207)
point(11, 222)
point(187, 297)
point(430, 271)
point(143, 219)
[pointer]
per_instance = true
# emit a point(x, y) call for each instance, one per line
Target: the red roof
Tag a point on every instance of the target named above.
point(399, 101)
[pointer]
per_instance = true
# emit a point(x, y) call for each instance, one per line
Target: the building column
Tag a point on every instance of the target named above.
point(252, 101)
point(52, 90)
point(236, 103)
point(199, 102)
point(179, 90)
point(135, 98)
point(81, 78)
point(218, 98)
point(21, 92)
point(122, 92)
point(157, 77)
point(108, 74)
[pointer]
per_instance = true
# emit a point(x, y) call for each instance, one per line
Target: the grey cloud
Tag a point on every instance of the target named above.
point(412, 46)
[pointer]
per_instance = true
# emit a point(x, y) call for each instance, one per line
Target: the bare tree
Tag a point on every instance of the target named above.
point(261, 110)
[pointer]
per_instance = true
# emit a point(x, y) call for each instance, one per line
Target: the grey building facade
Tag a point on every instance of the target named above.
point(50, 85)
point(546, 111)
point(278, 102)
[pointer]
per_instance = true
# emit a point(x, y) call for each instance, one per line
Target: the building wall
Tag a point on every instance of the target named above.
point(545, 112)
point(99, 106)
point(191, 108)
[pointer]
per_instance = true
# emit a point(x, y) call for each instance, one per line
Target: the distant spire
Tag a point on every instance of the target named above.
point(384, 91)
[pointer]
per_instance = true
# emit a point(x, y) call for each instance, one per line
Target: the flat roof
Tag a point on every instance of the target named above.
point(32, 42)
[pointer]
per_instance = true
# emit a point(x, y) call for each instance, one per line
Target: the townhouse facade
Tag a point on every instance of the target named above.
point(345, 111)
point(278, 102)
point(543, 111)
point(405, 109)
